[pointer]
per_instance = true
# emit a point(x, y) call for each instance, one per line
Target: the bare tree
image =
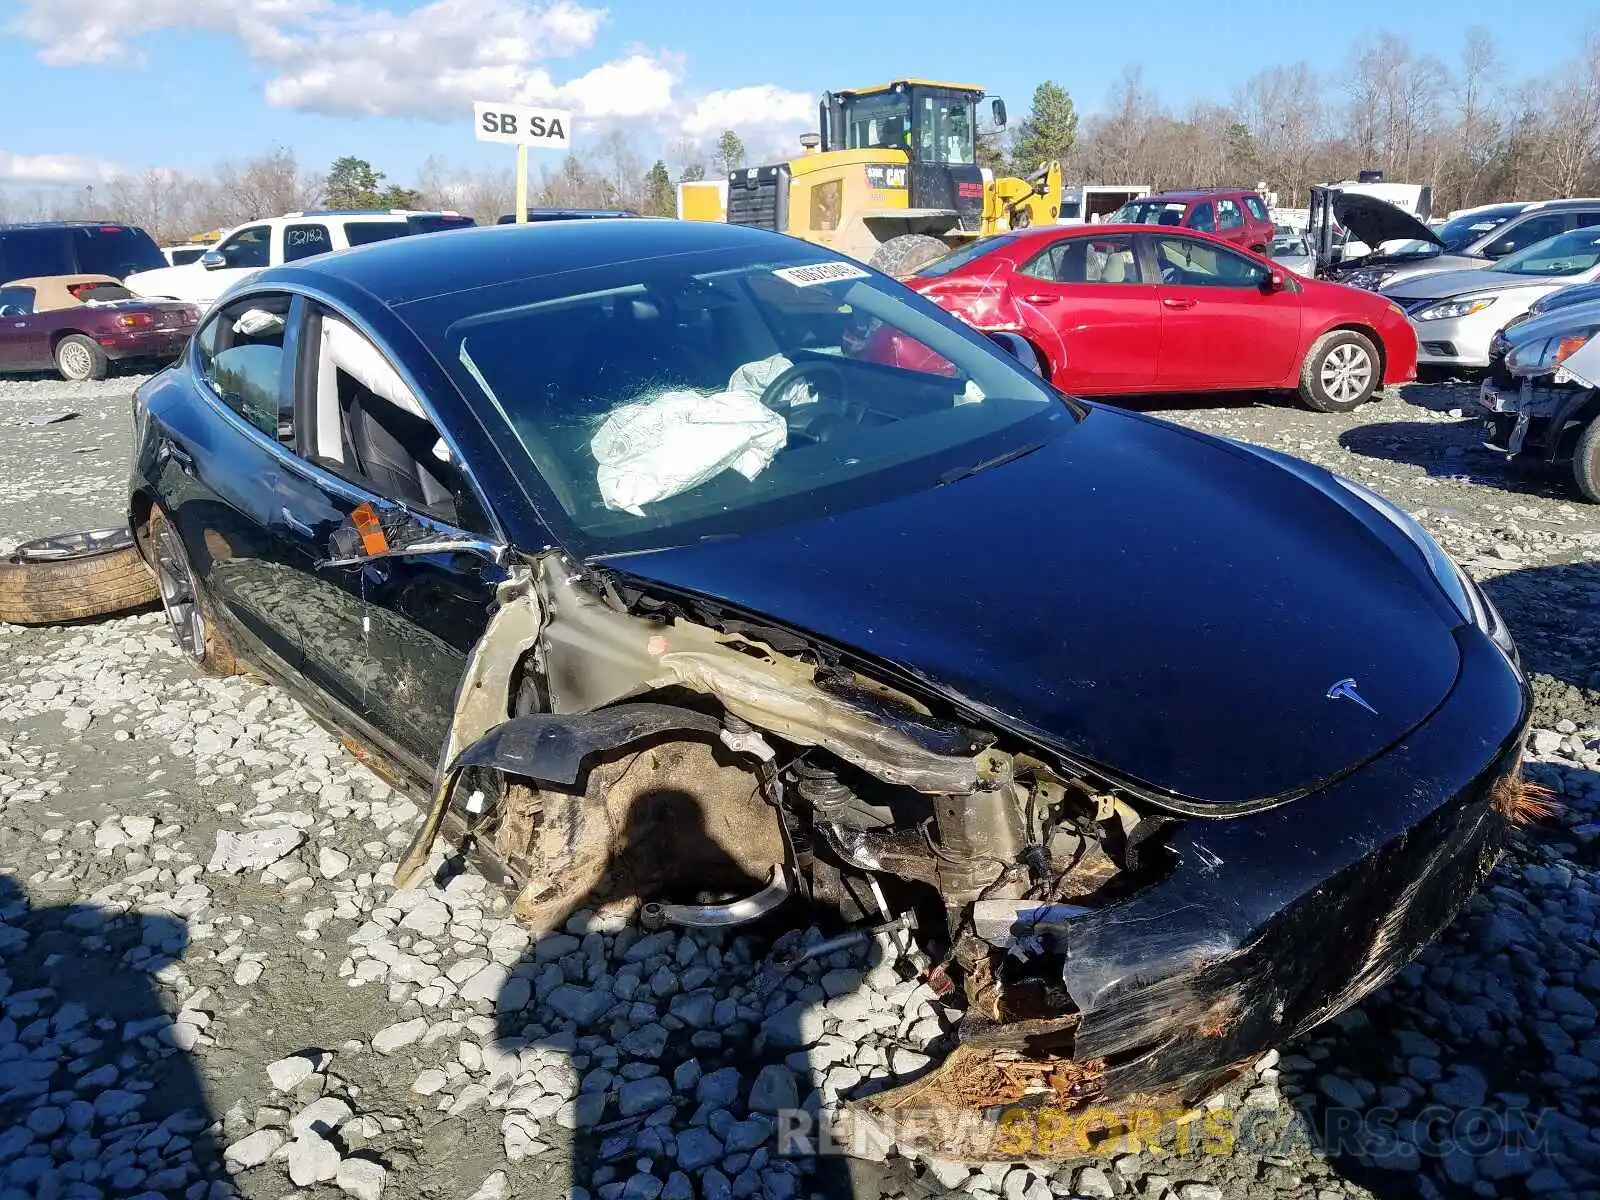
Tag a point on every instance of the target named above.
point(1569, 156)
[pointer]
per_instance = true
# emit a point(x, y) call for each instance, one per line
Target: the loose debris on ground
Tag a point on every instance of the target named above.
point(210, 985)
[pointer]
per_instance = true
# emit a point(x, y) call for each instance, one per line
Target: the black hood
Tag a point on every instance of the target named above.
point(1375, 221)
point(1165, 605)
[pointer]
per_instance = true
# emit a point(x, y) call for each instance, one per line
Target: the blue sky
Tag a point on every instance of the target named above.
point(183, 83)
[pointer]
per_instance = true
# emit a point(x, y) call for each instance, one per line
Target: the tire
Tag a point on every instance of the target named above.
point(1586, 462)
point(1341, 372)
point(78, 359)
point(190, 616)
point(73, 577)
point(909, 252)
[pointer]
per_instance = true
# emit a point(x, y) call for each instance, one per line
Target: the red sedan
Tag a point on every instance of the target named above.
point(1120, 309)
point(81, 324)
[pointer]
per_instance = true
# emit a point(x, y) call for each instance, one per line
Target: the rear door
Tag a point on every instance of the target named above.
point(1220, 327)
point(217, 466)
point(1086, 303)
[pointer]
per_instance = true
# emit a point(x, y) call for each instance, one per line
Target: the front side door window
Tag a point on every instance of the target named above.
point(1202, 218)
point(249, 249)
point(1229, 215)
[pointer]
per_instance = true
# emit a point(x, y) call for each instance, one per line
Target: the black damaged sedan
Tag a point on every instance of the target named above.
point(695, 572)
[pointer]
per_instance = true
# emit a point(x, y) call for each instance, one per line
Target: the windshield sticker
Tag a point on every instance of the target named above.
point(815, 273)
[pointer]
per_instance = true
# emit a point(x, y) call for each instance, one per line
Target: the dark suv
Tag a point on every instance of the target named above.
point(45, 248)
point(1233, 214)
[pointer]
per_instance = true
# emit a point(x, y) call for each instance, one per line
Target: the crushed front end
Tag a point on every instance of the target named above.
point(684, 765)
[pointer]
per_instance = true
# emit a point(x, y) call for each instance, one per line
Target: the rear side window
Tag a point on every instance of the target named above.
point(102, 292)
point(435, 222)
point(1257, 207)
point(25, 253)
point(364, 233)
point(1087, 260)
point(240, 353)
point(118, 250)
point(303, 241)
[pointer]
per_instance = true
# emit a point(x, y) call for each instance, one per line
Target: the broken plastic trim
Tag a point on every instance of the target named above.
point(656, 915)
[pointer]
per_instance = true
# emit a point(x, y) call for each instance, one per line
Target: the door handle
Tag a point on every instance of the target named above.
point(1041, 299)
point(296, 524)
point(178, 455)
point(1174, 302)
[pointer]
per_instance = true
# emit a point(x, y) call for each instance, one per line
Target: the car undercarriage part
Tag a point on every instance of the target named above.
point(74, 576)
point(787, 960)
point(658, 915)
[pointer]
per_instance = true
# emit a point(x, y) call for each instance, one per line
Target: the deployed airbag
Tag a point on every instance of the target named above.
point(676, 440)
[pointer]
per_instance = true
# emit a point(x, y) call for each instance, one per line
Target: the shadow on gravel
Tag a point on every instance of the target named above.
point(1452, 450)
point(1553, 613)
point(98, 1095)
point(677, 1102)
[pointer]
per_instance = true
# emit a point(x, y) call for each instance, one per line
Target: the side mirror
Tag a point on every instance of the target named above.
point(1019, 348)
point(1498, 249)
point(1274, 282)
point(212, 259)
point(997, 110)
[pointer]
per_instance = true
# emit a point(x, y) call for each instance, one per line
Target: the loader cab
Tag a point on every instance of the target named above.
point(933, 123)
point(890, 165)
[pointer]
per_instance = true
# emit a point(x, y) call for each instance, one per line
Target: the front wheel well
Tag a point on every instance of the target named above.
point(1366, 331)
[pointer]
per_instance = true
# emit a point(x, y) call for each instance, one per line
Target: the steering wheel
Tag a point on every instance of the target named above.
point(773, 392)
point(1171, 273)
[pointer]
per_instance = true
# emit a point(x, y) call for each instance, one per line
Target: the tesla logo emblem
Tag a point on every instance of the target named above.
point(1345, 689)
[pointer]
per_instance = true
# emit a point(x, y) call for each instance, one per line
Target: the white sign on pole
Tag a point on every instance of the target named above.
point(543, 128)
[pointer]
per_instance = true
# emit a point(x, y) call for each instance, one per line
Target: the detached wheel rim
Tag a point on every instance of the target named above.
point(73, 545)
point(74, 360)
point(1346, 372)
point(179, 597)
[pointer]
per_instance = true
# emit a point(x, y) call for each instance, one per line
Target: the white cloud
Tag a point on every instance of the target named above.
point(52, 168)
point(744, 108)
point(362, 58)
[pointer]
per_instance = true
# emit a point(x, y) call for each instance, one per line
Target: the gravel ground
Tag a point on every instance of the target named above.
point(209, 985)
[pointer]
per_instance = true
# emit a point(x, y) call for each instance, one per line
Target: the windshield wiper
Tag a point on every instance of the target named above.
point(998, 460)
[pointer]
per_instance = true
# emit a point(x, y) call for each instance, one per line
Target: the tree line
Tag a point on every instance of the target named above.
point(1462, 124)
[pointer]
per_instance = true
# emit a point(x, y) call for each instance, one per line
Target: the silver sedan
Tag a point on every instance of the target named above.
point(1455, 313)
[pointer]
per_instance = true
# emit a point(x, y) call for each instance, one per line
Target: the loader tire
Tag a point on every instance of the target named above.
point(901, 256)
point(73, 577)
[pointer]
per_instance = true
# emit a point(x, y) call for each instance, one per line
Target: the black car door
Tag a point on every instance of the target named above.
point(399, 548)
point(214, 454)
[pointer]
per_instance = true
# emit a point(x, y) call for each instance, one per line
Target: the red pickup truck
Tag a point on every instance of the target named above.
point(81, 324)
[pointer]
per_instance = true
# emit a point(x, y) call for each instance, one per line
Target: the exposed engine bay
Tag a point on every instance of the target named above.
point(713, 773)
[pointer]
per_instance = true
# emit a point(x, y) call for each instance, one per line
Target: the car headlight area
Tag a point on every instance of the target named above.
point(1447, 310)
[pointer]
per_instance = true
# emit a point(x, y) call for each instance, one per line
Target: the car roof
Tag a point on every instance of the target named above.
point(1196, 194)
point(429, 265)
point(5, 225)
point(53, 292)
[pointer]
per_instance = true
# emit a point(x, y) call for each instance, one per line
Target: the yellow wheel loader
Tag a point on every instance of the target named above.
point(891, 178)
